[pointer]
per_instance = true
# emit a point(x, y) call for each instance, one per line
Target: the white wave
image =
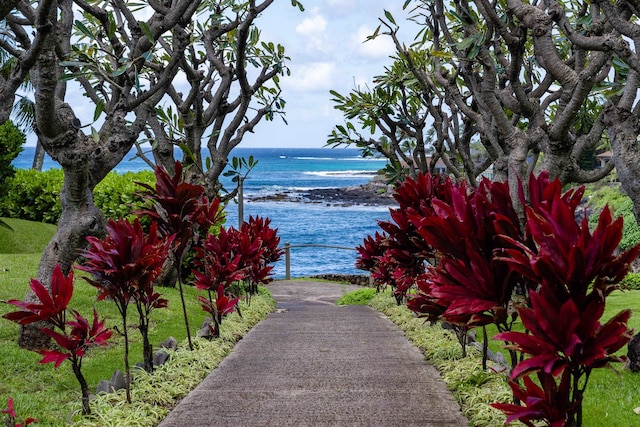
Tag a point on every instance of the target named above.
point(344, 174)
point(339, 159)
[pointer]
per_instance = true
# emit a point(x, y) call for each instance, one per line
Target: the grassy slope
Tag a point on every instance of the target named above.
point(27, 237)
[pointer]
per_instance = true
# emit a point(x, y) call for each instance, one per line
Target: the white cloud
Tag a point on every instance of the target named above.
point(313, 32)
point(313, 77)
point(312, 26)
point(378, 48)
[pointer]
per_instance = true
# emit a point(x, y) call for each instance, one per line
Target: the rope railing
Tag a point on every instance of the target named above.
point(288, 247)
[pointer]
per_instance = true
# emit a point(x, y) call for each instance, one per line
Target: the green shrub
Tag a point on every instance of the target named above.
point(116, 195)
point(35, 196)
point(11, 141)
point(631, 282)
point(620, 205)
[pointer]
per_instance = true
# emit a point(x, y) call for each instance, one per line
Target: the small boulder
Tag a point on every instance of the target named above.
point(160, 358)
point(104, 386)
point(633, 353)
point(117, 380)
point(170, 344)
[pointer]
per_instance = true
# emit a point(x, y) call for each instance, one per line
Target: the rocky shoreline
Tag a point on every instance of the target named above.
point(374, 193)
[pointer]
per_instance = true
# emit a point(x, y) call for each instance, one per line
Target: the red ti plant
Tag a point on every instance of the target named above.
point(548, 401)
point(9, 417)
point(576, 270)
point(123, 267)
point(400, 255)
point(218, 309)
point(370, 254)
point(218, 264)
point(181, 209)
point(473, 287)
point(73, 337)
point(258, 245)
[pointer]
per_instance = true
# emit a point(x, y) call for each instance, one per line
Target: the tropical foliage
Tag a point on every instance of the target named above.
point(485, 268)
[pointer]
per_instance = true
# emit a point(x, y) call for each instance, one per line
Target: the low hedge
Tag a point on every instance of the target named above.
point(35, 196)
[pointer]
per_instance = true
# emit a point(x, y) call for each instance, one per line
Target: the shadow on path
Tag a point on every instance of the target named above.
point(313, 363)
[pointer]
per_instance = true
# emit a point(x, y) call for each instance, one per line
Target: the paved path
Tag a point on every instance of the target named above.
point(313, 363)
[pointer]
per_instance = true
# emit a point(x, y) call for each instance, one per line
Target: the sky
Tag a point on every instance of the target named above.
point(327, 51)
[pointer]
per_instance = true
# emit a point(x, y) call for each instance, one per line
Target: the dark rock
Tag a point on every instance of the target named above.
point(160, 358)
point(104, 386)
point(206, 330)
point(374, 193)
point(206, 322)
point(633, 353)
point(170, 344)
point(117, 380)
point(353, 279)
point(116, 383)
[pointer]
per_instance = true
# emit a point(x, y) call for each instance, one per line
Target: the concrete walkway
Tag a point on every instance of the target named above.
point(315, 364)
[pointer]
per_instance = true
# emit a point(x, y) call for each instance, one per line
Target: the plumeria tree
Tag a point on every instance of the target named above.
point(123, 58)
point(73, 337)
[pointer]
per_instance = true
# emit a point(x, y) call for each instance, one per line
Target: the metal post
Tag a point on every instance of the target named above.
point(287, 260)
point(240, 202)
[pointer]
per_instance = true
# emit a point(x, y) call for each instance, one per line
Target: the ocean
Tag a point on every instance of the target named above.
point(297, 169)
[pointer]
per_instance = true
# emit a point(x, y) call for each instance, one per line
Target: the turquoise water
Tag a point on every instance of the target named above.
point(289, 169)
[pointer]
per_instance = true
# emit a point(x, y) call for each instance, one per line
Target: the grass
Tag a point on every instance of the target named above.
point(360, 297)
point(610, 399)
point(27, 237)
point(53, 396)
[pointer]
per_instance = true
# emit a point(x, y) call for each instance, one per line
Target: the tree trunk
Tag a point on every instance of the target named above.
point(624, 127)
point(80, 218)
point(38, 157)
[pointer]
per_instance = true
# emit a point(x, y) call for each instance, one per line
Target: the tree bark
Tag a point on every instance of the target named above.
point(38, 157)
point(624, 128)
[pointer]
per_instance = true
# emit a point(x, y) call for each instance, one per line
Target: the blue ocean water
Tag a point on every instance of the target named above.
point(290, 169)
